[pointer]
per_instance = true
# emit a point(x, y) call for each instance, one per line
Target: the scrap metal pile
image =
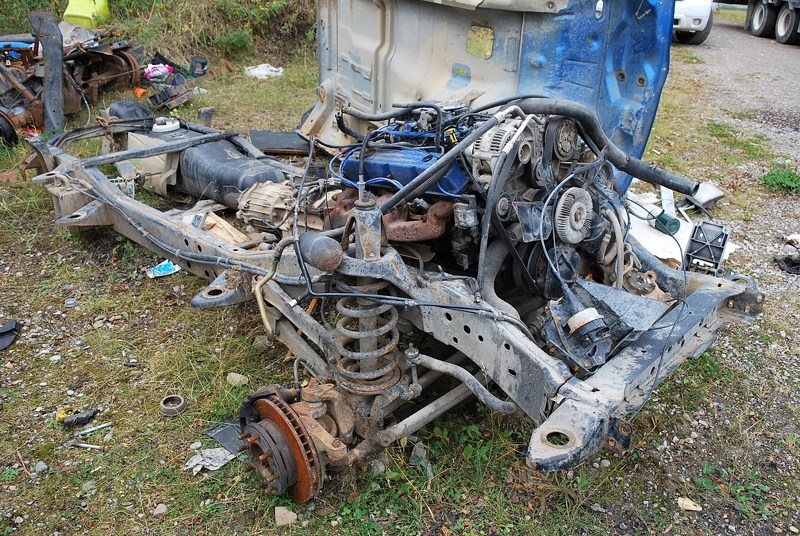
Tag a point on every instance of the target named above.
point(44, 76)
point(491, 231)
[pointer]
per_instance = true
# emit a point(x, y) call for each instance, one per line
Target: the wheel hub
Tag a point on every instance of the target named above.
point(281, 452)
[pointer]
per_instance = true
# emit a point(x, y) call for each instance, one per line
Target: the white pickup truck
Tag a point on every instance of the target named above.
point(692, 21)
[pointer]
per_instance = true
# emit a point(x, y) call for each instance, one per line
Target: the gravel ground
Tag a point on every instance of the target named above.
point(753, 84)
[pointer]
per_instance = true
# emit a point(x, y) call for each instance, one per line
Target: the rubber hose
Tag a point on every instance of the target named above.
point(625, 162)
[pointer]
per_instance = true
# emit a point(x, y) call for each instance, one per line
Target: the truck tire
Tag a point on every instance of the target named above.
point(696, 38)
point(786, 25)
point(764, 16)
point(748, 19)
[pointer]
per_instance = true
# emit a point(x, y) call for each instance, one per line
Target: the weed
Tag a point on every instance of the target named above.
point(782, 179)
point(236, 43)
point(9, 474)
point(746, 491)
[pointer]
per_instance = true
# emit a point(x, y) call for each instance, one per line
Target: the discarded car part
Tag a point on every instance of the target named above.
point(8, 332)
point(38, 86)
point(706, 249)
point(48, 34)
point(707, 196)
point(498, 230)
point(172, 405)
point(81, 418)
point(280, 449)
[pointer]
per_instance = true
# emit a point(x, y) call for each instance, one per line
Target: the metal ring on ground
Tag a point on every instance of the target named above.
point(172, 405)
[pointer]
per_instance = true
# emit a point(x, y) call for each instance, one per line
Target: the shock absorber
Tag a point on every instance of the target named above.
point(367, 330)
point(369, 336)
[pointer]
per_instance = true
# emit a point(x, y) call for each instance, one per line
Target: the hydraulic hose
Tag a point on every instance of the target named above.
point(622, 160)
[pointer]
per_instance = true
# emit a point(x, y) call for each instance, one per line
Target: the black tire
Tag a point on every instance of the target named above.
point(696, 38)
point(786, 25)
point(748, 19)
point(764, 16)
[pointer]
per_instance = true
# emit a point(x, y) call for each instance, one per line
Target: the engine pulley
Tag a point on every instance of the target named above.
point(573, 218)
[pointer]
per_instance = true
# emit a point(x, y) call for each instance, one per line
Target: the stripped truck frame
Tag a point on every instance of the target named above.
point(474, 194)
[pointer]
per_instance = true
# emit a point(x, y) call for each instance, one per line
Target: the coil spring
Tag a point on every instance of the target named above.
point(352, 372)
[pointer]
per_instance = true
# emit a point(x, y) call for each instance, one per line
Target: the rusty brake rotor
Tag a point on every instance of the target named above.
point(281, 451)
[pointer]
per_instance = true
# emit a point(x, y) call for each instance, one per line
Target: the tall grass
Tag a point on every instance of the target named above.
point(180, 28)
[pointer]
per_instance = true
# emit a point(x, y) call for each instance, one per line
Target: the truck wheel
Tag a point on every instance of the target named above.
point(748, 19)
point(696, 38)
point(786, 26)
point(764, 16)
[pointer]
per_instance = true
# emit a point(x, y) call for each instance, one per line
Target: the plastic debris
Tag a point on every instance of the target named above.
point(419, 456)
point(211, 459)
point(157, 71)
point(227, 435)
point(8, 332)
point(689, 505)
point(63, 413)
point(265, 70)
point(81, 418)
point(161, 269)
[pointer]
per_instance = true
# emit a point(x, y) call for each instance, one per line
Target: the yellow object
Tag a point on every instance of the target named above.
point(87, 13)
point(63, 413)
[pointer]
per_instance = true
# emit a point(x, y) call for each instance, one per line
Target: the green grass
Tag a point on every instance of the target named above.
point(740, 147)
point(228, 29)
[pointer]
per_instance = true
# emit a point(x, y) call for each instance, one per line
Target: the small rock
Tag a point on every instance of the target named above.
point(623, 526)
point(597, 508)
point(88, 486)
point(793, 529)
point(334, 523)
point(196, 445)
point(18, 520)
point(70, 302)
point(70, 392)
point(55, 358)
point(160, 510)
point(40, 467)
point(284, 516)
point(108, 437)
point(605, 463)
point(377, 467)
point(237, 380)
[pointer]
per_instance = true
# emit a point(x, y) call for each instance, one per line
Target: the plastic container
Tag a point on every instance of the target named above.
point(198, 66)
point(90, 14)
